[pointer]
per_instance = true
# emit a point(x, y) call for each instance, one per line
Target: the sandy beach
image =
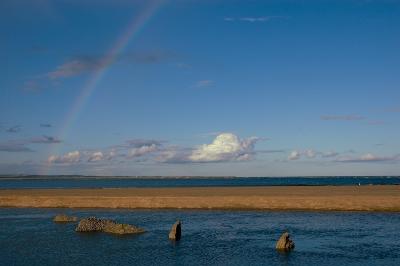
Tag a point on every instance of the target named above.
point(324, 198)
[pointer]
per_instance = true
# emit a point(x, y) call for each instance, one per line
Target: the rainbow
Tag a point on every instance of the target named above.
point(134, 27)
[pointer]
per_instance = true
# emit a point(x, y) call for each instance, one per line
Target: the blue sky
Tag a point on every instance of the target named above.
point(244, 88)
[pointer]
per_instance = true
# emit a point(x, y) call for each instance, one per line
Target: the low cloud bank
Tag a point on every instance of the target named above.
point(225, 147)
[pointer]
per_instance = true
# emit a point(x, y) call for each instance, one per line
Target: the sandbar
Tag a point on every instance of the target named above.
point(314, 198)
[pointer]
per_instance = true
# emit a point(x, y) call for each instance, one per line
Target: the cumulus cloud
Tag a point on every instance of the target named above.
point(142, 150)
point(329, 154)
point(310, 153)
point(96, 156)
point(225, 147)
point(173, 155)
point(112, 154)
point(68, 158)
point(137, 143)
point(294, 155)
point(131, 149)
point(83, 156)
point(139, 147)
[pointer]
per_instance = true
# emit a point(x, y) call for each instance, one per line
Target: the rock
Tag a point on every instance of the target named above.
point(116, 228)
point(63, 218)
point(175, 233)
point(93, 224)
point(90, 224)
point(285, 243)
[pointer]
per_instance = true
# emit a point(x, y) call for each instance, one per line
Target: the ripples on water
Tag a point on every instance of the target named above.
point(29, 237)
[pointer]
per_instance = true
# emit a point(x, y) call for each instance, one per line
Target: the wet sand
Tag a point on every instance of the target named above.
point(318, 198)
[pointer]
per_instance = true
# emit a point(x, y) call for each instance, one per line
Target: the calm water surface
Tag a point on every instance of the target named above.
point(99, 182)
point(29, 237)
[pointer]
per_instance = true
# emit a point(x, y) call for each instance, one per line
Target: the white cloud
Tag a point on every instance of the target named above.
point(329, 154)
point(96, 156)
point(142, 150)
point(70, 157)
point(255, 19)
point(294, 155)
point(172, 155)
point(244, 157)
point(111, 155)
point(225, 147)
point(310, 153)
point(368, 157)
point(76, 67)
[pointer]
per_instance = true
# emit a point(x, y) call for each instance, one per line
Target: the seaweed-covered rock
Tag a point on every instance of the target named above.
point(175, 233)
point(285, 243)
point(93, 224)
point(63, 218)
point(116, 228)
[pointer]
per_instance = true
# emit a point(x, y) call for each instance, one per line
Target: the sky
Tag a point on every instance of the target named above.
point(200, 87)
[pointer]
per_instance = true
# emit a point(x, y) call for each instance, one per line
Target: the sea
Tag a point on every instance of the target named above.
point(28, 236)
point(14, 182)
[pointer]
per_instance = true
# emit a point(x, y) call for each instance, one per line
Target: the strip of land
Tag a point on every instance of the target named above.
point(318, 198)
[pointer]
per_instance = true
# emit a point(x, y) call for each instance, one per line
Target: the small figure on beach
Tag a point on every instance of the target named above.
point(285, 243)
point(175, 233)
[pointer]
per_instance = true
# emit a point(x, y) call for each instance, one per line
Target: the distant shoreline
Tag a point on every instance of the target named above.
point(46, 177)
point(315, 198)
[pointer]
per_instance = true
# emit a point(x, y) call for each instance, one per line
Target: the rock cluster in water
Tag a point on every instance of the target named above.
point(63, 218)
point(175, 233)
point(93, 224)
point(285, 243)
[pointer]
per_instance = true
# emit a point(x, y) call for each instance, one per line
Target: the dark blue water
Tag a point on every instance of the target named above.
point(29, 237)
point(98, 182)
